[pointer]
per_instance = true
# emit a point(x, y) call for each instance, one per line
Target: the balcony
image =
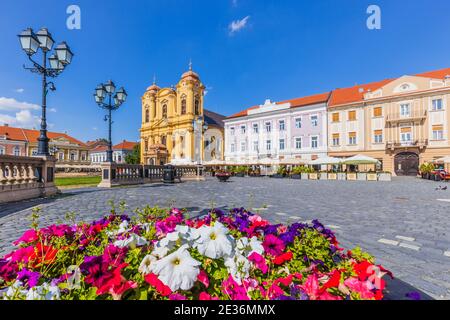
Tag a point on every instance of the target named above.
point(392, 145)
point(415, 115)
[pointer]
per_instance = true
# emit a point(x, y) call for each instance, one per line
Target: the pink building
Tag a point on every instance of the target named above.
point(286, 130)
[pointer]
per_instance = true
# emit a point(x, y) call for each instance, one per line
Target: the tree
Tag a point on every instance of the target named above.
point(135, 156)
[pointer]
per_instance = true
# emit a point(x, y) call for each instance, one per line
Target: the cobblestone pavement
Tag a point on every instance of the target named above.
point(405, 223)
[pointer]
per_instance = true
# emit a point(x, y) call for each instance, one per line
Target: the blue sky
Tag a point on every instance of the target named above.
point(278, 50)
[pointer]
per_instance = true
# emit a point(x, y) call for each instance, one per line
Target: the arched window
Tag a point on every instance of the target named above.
point(164, 111)
point(183, 106)
point(163, 140)
point(2, 150)
point(17, 151)
point(146, 145)
point(197, 107)
point(147, 115)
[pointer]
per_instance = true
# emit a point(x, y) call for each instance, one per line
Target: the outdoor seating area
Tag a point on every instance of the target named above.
point(356, 168)
point(437, 170)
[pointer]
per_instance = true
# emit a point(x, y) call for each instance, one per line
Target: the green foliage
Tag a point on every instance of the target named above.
point(426, 167)
point(135, 156)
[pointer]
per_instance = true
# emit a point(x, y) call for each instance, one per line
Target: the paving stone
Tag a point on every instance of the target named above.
point(405, 207)
point(405, 238)
point(387, 241)
point(409, 246)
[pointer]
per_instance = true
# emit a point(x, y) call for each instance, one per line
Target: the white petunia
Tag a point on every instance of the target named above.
point(178, 270)
point(238, 266)
point(14, 291)
point(144, 267)
point(214, 242)
point(247, 246)
point(133, 241)
point(44, 292)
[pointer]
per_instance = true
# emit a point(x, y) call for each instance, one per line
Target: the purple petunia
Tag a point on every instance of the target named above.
point(28, 277)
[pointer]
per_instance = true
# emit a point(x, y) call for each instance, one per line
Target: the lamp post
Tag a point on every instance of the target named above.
point(31, 42)
point(114, 100)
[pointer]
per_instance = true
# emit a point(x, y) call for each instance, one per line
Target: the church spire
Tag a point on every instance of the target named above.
point(190, 64)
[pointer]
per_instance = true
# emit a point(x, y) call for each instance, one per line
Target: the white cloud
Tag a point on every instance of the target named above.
point(207, 89)
point(52, 109)
point(20, 90)
point(10, 104)
point(94, 128)
point(23, 119)
point(238, 25)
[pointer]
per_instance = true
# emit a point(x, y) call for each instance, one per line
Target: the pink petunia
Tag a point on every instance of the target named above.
point(259, 262)
point(203, 278)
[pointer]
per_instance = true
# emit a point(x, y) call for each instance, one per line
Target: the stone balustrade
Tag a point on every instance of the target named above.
point(114, 174)
point(26, 177)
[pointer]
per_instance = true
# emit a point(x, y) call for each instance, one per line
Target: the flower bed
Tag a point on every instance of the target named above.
point(160, 254)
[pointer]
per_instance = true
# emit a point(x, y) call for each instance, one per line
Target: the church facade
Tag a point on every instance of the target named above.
point(175, 126)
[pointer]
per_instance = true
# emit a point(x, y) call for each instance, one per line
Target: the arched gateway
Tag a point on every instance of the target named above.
point(406, 164)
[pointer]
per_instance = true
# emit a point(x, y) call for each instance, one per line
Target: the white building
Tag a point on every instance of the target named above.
point(288, 130)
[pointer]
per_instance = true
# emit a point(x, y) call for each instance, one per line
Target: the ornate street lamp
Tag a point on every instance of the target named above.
point(31, 42)
point(115, 100)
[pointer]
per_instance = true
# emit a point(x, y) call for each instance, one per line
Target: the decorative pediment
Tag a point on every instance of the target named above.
point(402, 85)
point(269, 106)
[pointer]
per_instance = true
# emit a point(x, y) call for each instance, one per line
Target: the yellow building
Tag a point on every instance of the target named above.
point(176, 128)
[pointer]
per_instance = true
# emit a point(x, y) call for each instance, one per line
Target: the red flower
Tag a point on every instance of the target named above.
point(283, 258)
point(333, 282)
point(43, 254)
point(118, 290)
point(162, 289)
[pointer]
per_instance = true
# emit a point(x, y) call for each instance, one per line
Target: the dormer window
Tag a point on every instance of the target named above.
point(405, 87)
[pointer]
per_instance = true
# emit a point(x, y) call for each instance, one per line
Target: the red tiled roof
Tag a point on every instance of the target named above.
point(12, 133)
point(437, 74)
point(33, 135)
point(355, 93)
point(295, 103)
point(125, 145)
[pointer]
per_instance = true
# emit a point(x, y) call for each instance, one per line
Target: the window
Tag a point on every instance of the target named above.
point(255, 146)
point(335, 117)
point(164, 111)
point(163, 140)
point(34, 152)
point(255, 128)
point(377, 112)
point(147, 115)
point(281, 144)
point(232, 147)
point(335, 139)
point(145, 145)
point(232, 131)
point(243, 129)
point(405, 110)
point(378, 136)
point(197, 107)
point(183, 106)
point(72, 156)
point(119, 158)
point(17, 151)
point(83, 157)
point(298, 123)
point(314, 142)
point(2, 150)
point(268, 145)
point(281, 125)
point(438, 132)
point(298, 143)
point(314, 120)
point(406, 134)
point(268, 127)
point(437, 104)
point(352, 115)
point(243, 146)
point(352, 138)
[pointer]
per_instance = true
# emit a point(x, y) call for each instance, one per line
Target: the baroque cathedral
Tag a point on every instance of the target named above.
point(176, 128)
